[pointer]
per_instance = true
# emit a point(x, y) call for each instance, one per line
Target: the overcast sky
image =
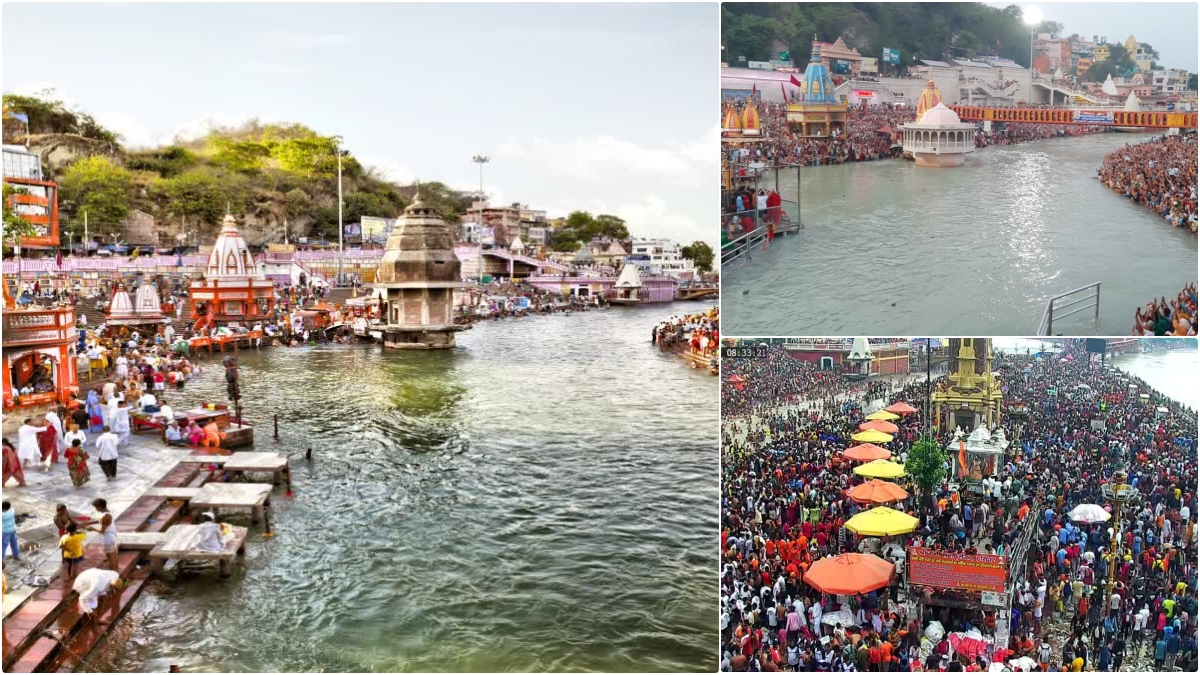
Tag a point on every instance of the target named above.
point(606, 108)
point(1170, 27)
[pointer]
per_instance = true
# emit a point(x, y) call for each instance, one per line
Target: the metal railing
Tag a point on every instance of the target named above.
point(1090, 301)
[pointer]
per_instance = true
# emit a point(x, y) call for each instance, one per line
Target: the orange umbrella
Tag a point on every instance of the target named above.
point(850, 573)
point(867, 452)
point(877, 491)
point(879, 425)
point(900, 408)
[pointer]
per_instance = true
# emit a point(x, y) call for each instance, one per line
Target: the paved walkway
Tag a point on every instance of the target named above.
point(142, 464)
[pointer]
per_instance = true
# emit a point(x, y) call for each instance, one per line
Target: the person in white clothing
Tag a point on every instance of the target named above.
point(93, 583)
point(210, 534)
point(60, 430)
point(122, 367)
point(75, 434)
point(106, 452)
point(120, 423)
point(27, 443)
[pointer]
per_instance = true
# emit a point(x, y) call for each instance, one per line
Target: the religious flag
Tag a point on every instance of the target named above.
point(136, 252)
point(178, 258)
point(20, 116)
point(58, 258)
point(998, 43)
point(753, 91)
point(797, 82)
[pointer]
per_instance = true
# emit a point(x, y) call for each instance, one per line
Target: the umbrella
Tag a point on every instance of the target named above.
point(1089, 513)
point(900, 408)
point(867, 452)
point(872, 436)
point(850, 573)
point(877, 492)
point(882, 522)
point(880, 468)
point(879, 425)
point(1083, 386)
point(969, 644)
point(735, 379)
point(883, 415)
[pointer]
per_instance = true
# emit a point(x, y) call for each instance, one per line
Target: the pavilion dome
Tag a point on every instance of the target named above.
point(420, 249)
point(930, 97)
point(146, 302)
point(120, 308)
point(230, 257)
point(940, 115)
point(629, 278)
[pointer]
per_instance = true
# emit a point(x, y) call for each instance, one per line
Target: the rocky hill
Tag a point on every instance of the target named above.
point(276, 176)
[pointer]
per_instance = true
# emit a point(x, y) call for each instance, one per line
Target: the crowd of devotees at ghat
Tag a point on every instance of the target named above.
point(788, 492)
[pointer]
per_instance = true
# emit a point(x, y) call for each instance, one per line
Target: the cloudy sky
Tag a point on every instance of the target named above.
point(594, 107)
point(1170, 27)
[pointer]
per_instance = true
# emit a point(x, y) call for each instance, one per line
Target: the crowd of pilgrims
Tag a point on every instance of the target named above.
point(871, 133)
point(1176, 318)
point(1159, 174)
point(783, 507)
point(698, 333)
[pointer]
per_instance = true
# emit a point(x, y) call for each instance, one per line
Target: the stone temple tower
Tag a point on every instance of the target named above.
point(419, 273)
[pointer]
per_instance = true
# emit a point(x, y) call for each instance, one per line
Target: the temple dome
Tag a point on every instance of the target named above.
point(120, 307)
point(940, 115)
point(420, 249)
point(930, 97)
point(146, 302)
point(733, 121)
point(230, 257)
point(860, 350)
point(629, 278)
point(750, 121)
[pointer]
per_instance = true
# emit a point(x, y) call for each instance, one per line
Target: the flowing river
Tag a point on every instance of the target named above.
point(542, 498)
point(890, 247)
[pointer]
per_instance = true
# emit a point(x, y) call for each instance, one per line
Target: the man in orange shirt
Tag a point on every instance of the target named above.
point(885, 656)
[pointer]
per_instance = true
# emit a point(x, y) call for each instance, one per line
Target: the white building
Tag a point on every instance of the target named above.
point(661, 257)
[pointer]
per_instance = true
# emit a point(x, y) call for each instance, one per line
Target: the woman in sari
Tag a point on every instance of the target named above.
point(95, 412)
point(195, 435)
point(47, 440)
point(77, 463)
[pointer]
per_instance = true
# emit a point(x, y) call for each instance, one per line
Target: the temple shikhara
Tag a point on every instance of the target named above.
point(971, 395)
point(39, 369)
point(818, 113)
point(419, 273)
point(233, 290)
point(144, 310)
point(744, 126)
point(938, 138)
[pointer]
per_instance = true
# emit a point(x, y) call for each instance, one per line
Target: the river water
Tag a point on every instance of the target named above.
point(1173, 373)
point(892, 248)
point(542, 498)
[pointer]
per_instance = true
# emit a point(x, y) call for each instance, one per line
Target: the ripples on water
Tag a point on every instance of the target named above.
point(543, 498)
point(978, 247)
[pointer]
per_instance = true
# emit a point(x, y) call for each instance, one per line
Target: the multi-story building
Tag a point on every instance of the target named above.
point(1100, 53)
point(661, 257)
point(1170, 80)
point(35, 198)
point(1051, 54)
point(1140, 56)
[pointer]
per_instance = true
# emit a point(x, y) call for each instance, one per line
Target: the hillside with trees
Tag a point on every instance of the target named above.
point(759, 30)
point(276, 176)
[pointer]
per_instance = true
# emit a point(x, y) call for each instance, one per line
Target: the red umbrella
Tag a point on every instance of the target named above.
point(867, 452)
point(900, 408)
point(850, 573)
point(735, 379)
point(879, 425)
point(968, 646)
point(877, 491)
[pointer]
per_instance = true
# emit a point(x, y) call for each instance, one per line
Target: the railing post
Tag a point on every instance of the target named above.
point(1050, 319)
point(1097, 317)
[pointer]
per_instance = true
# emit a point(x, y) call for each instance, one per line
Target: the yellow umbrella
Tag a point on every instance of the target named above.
point(883, 415)
point(872, 436)
point(880, 468)
point(882, 522)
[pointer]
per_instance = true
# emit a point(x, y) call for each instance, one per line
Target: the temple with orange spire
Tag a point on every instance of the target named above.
point(744, 126)
point(232, 290)
point(38, 359)
point(819, 113)
point(930, 97)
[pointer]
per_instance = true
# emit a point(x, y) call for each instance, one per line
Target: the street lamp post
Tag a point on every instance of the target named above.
point(341, 243)
point(481, 160)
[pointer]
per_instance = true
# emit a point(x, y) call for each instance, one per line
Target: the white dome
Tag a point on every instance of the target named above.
point(121, 305)
point(146, 302)
point(230, 256)
point(940, 114)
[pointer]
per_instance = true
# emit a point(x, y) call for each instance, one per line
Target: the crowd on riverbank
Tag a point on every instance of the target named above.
point(698, 333)
point(1176, 318)
point(1159, 174)
point(785, 506)
point(1014, 133)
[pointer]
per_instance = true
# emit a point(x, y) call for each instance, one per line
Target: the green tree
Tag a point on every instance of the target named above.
point(927, 465)
point(96, 185)
point(700, 253)
point(240, 156)
point(1191, 83)
point(966, 41)
point(202, 193)
point(1150, 51)
point(1117, 64)
point(48, 115)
